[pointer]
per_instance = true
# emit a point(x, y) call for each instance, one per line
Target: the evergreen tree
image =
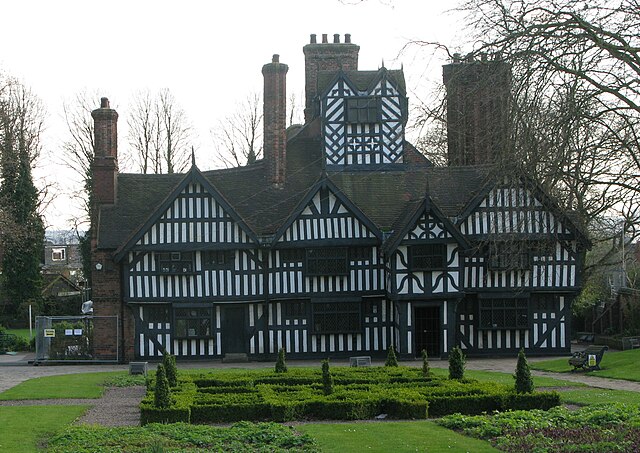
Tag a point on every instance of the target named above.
point(281, 365)
point(162, 393)
point(524, 383)
point(327, 379)
point(426, 369)
point(169, 362)
point(22, 229)
point(456, 364)
point(392, 360)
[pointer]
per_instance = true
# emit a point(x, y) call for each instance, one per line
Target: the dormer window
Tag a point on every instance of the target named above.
point(363, 109)
point(58, 254)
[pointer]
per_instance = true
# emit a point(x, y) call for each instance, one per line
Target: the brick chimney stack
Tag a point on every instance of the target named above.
point(478, 97)
point(105, 163)
point(275, 119)
point(326, 56)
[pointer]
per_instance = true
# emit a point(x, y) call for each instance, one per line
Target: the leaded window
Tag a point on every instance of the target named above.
point(336, 317)
point(509, 255)
point(175, 262)
point(363, 110)
point(192, 322)
point(294, 309)
point(218, 259)
point(425, 257)
point(292, 256)
point(504, 313)
point(360, 254)
point(327, 261)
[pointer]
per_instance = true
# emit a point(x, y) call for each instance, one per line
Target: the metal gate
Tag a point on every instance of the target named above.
point(68, 339)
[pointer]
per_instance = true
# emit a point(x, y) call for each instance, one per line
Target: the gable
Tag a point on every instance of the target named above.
point(363, 127)
point(514, 209)
point(193, 215)
point(327, 215)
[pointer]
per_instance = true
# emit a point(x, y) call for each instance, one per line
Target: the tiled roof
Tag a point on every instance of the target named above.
point(362, 79)
point(383, 196)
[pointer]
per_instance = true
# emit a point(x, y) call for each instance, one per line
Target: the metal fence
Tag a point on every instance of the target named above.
point(69, 339)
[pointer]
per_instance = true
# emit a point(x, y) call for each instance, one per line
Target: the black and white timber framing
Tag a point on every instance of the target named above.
point(202, 284)
point(358, 245)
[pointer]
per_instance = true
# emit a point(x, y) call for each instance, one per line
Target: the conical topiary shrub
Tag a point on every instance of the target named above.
point(281, 364)
point(392, 360)
point(426, 369)
point(169, 362)
point(524, 383)
point(162, 393)
point(327, 379)
point(456, 363)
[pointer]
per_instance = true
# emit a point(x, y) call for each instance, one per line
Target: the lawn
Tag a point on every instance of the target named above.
point(83, 385)
point(391, 436)
point(22, 428)
point(423, 435)
point(615, 365)
point(24, 333)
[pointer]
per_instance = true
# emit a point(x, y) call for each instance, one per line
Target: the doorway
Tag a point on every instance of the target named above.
point(427, 330)
point(233, 330)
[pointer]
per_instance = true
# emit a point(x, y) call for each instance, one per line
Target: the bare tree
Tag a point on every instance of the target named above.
point(160, 133)
point(575, 107)
point(238, 136)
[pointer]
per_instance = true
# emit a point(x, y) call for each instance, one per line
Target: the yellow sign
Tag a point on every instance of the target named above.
point(592, 360)
point(49, 333)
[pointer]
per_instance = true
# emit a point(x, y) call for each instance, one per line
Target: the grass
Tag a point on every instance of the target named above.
point(391, 436)
point(22, 428)
point(507, 378)
point(24, 333)
point(83, 385)
point(589, 396)
point(615, 365)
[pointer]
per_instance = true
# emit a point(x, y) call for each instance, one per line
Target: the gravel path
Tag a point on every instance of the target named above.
point(119, 406)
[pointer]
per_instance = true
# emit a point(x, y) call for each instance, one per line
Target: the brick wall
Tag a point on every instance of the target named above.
point(326, 56)
point(275, 119)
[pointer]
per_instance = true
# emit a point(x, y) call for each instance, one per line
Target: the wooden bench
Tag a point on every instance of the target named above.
point(364, 360)
point(589, 359)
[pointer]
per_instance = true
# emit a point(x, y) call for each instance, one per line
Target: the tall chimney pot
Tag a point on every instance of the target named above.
point(275, 120)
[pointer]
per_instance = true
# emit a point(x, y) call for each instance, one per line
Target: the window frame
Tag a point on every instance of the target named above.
point(497, 309)
point(201, 314)
point(58, 250)
point(223, 259)
point(434, 251)
point(346, 317)
point(356, 105)
point(509, 256)
point(175, 263)
point(313, 268)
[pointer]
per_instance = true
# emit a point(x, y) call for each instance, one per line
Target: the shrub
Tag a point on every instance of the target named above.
point(162, 393)
point(327, 379)
point(524, 383)
point(456, 364)
point(392, 360)
point(281, 365)
point(169, 362)
point(426, 371)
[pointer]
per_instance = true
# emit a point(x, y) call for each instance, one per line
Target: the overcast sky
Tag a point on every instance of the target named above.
point(209, 54)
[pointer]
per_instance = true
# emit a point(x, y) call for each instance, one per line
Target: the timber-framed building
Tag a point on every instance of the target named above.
point(343, 239)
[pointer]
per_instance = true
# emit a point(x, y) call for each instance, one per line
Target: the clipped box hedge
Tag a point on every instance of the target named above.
point(359, 393)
